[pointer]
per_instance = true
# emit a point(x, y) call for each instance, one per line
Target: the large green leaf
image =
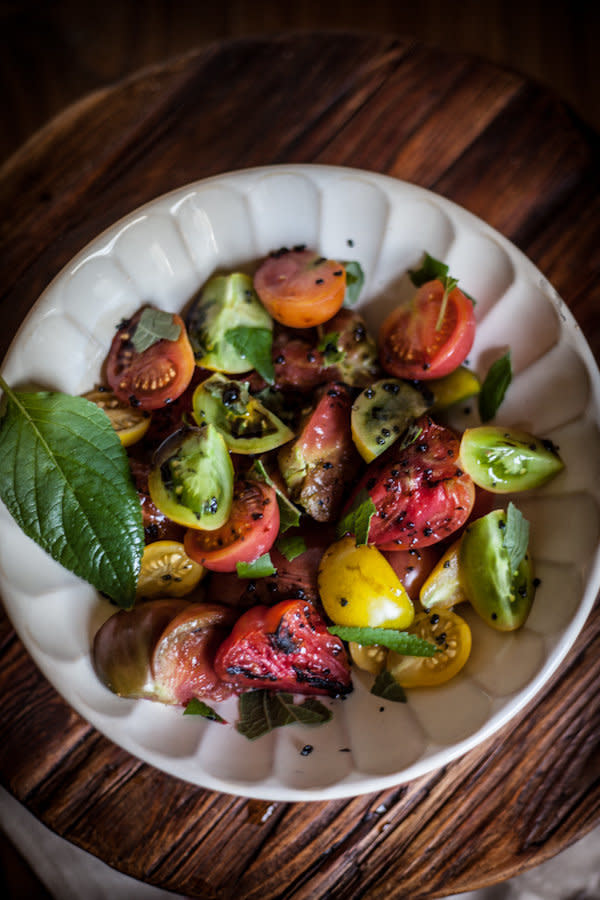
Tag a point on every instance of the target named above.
point(66, 481)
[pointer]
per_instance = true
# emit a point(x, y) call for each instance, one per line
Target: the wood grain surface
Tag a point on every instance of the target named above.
point(485, 138)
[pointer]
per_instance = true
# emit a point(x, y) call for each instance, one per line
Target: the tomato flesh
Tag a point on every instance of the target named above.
point(152, 378)
point(250, 530)
point(425, 338)
point(300, 288)
point(421, 496)
point(286, 647)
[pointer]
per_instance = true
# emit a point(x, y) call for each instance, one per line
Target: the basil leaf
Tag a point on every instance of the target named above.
point(358, 519)
point(255, 345)
point(386, 686)
point(66, 481)
point(328, 346)
point(516, 536)
point(430, 270)
point(154, 325)
point(289, 515)
point(355, 279)
point(494, 387)
point(291, 546)
point(258, 568)
point(261, 711)
point(198, 707)
point(401, 641)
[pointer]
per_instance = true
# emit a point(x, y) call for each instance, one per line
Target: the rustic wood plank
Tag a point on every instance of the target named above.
point(514, 156)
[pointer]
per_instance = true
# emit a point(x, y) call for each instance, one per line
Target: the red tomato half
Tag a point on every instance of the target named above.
point(420, 493)
point(152, 378)
point(250, 530)
point(421, 340)
point(300, 288)
point(286, 647)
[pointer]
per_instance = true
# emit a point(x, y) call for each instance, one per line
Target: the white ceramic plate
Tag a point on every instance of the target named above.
point(162, 253)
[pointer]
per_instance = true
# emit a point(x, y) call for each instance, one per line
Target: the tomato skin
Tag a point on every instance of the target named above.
point(420, 494)
point(299, 288)
point(413, 567)
point(155, 377)
point(415, 345)
point(250, 530)
point(286, 647)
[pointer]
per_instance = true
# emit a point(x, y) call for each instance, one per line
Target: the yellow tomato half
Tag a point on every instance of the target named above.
point(442, 588)
point(130, 424)
point(451, 634)
point(167, 571)
point(358, 587)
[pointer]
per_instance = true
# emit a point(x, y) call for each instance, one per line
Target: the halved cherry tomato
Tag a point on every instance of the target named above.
point(286, 647)
point(250, 530)
point(167, 571)
point(130, 424)
point(300, 288)
point(152, 378)
point(430, 336)
point(421, 496)
point(413, 566)
point(453, 637)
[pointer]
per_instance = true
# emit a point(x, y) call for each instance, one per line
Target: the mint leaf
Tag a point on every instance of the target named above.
point(358, 519)
point(255, 345)
point(401, 641)
point(66, 481)
point(430, 270)
point(289, 515)
point(494, 387)
point(258, 568)
point(261, 711)
point(197, 707)
point(516, 536)
point(291, 546)
point(154, 325)
point(355, 279)
point(386, 686)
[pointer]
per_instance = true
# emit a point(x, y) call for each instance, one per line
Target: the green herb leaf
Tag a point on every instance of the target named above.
point(154, 325)
point(358, 519)
point(262, 711)
point(494, 387)
point(328, 346)
point(289, 515)
point(430, 269)
point(255, 345)
point(355, 279)
point(516, 536)
point(198, 707)
point(258, 568)
point(291, 545)
point(401, 641)
point(66, 481)
point(386, 686)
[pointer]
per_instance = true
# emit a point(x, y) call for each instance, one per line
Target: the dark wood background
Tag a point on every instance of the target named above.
point(53, 53)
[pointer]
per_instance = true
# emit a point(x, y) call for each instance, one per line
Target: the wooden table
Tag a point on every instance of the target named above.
point(510, 153)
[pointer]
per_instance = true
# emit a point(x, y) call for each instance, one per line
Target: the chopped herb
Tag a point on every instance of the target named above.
point(262, 711)
point(516, 536)
point(328, 346)
point(400, 641)
point(355, 279)
point(289, 515)
point(258, 568)
point(430, 270)
point(386, 686)
point(198, 707)
point(494, 387)
point(291, 545)
point(358, 519)
point(154, 325)
point(255, 345)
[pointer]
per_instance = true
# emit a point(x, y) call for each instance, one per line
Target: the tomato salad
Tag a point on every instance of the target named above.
point(307, 507)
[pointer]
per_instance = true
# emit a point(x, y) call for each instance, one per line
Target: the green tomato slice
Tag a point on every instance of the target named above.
point(192, 481)
point(245, 424)
point(503, 460)
point(382, 413)
point(499, 592)
point(226, 302)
